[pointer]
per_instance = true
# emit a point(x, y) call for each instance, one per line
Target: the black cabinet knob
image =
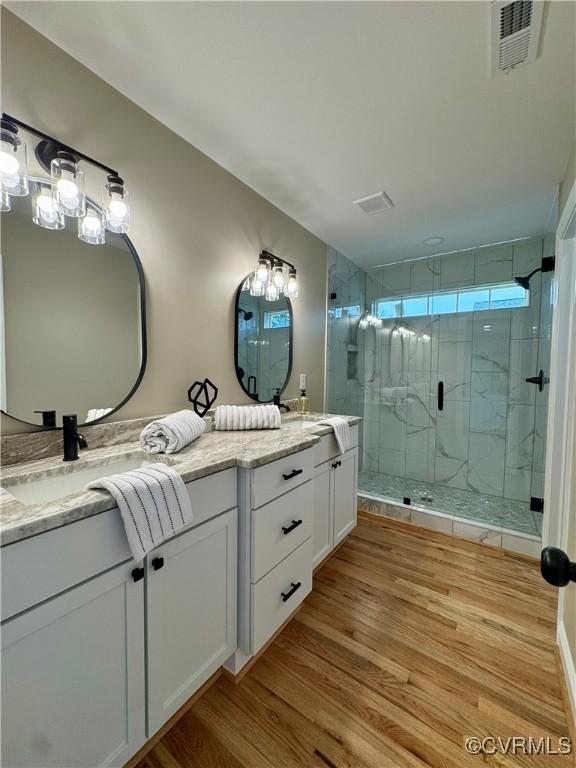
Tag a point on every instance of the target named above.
point(158, 563)
point(137, 574)
point(556, 567)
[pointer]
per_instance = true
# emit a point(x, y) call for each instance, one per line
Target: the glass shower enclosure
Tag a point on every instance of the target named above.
point(439, 375)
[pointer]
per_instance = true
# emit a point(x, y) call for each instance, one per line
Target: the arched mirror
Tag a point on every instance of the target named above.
point(73, 320)
point(263, 343)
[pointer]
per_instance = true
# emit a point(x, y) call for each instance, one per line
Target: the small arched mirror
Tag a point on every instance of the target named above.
point(263, 344)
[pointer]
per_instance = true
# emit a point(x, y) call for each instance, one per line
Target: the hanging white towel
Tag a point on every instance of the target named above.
point(232, 417)
point(172, 433)
point(153, 502)
point(341, 431)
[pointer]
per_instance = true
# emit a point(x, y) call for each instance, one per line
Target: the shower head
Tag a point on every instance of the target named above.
point(524, 282)
point(548, 264)
point(247, 315)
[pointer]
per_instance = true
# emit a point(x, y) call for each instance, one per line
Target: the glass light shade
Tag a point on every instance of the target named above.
point(116, 205)
point(263, 270)
point(271, 291)
point(13, 164)
point(246, 285)
point(363, 324)
point(68, 181)
point(5, 205)
point(278, 277)
point(47, 214)
point(292, 285)
point(91, 228)
point(257, 287)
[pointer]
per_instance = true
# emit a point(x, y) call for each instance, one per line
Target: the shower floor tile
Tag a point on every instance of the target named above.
point(482, 508)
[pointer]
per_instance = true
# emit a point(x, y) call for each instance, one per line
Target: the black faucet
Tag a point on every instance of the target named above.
point(72, 438)
point(276, 401)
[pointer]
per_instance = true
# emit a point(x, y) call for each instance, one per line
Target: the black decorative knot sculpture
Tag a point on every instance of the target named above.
point(200, 396)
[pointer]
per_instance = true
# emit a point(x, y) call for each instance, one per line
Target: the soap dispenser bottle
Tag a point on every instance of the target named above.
point(303, 401)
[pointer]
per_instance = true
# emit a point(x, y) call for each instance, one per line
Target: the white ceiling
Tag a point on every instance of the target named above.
point(316, 104)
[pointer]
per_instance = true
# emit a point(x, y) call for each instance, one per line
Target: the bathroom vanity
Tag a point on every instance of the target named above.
point(117, 647)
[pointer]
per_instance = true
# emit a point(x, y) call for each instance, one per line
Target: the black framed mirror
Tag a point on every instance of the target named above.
point(262, 343)
point(73, 320)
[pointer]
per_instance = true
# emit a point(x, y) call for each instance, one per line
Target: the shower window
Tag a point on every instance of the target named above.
point(496, 296)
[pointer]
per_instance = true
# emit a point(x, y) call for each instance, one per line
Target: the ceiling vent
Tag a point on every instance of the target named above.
point(374, 203)
point(515, 34)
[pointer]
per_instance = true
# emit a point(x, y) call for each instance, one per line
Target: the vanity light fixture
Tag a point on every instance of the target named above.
point(13, 165)
point(91, 227)
point(116, 206)
point(62, 195)
point(47, 213)
point(368, 320)
point(272, 277)
point(68, 183)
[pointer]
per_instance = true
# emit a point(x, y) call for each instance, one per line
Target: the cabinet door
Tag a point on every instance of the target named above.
point(345, 495)
point(73, 677)
point(322, 536)
point(191, 613)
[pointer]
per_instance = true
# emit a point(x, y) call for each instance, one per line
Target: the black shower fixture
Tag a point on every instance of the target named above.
point(247, 315)
point(548, 263)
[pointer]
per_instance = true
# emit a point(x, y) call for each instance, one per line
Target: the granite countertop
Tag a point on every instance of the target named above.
point(211, 453)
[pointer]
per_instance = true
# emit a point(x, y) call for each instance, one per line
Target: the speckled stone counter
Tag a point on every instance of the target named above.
point(211, 453)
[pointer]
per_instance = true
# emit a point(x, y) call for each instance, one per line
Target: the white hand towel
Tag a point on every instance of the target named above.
point(172, 433)
point(236, 417)
point(153, 502)
point(96, 413)
point(341, 431)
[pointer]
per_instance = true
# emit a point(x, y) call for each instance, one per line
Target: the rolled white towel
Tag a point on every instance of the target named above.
point(172, 433)
point(341, 431)
point(236, 417)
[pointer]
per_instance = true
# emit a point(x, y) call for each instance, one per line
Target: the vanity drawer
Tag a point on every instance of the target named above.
point(44, 565)
point(279, 527)
point(269, 609)
point(328, 449)
point(209, 496)
point(278, 477)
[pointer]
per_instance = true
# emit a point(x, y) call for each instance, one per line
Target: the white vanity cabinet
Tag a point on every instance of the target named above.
point(92, 641)
point(191, 613)
point(335, 494)
point(73, 677)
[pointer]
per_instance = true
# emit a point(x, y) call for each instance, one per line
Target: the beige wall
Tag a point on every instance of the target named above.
point(197, 229)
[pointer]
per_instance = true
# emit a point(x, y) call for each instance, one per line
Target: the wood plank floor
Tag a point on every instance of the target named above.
point(411, 641)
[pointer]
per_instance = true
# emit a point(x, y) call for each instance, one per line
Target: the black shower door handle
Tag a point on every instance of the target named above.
point(440, 395)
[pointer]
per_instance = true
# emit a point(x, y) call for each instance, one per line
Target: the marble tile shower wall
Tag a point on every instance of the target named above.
point(490, 437)
point(345, 365)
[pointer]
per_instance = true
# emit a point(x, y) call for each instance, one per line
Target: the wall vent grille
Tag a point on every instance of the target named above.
point(515, 34)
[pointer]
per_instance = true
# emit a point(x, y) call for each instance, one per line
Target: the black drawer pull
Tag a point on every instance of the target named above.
point(293, 588)
point(440, 395)
point(158, 563)
point(137, 574)
point(336, 464)
point(295, 523)
point(294, 473)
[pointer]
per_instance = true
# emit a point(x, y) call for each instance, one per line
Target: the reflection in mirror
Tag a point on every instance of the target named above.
point(73, 326)
point(263, 348)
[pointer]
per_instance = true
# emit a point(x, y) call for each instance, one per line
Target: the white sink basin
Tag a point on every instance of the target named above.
point(65, 480)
